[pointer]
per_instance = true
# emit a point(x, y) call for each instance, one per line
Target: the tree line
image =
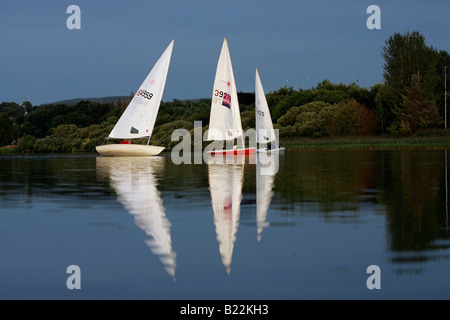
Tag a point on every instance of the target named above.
point(409, 101)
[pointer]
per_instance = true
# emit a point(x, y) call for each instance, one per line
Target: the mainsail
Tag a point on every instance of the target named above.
point(139, 118)
point(225, 117)
point(264, 126)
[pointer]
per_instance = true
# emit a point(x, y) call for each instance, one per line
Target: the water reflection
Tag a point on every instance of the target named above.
point(266, 169)
point(225, 183)
point(415, 197)
point(394, 204)
point(415, 194)
point(134, 181)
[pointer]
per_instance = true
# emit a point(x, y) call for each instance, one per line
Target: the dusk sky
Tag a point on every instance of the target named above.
point(295, 43)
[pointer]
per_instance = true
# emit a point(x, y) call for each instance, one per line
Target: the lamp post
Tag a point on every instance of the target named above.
point(445, 95)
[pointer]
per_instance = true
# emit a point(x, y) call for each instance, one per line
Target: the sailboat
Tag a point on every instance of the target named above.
point(138, 119)
point(265, 134)
point(225, 118)
point(133, 179)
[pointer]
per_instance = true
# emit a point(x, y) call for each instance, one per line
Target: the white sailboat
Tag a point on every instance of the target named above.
point(225, 184)
point(133, 180)
point(225, 118)
point(138, 120)
point(265, 134)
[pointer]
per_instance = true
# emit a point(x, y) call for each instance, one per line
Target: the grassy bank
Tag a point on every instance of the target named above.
point(345, 143)
point(8, 150)
point(369, 143)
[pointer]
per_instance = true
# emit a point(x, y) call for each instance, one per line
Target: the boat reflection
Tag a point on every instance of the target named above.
point(134, 182)
point(225, 184)
point(266, 169)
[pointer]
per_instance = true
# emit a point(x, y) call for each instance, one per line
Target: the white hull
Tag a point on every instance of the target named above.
point(264, 150)
point(128, 150)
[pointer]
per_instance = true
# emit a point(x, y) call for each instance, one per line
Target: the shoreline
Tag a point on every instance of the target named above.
point(368, 143)
point(339, 143)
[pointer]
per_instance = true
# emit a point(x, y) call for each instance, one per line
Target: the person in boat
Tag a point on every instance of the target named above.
point(125, 142)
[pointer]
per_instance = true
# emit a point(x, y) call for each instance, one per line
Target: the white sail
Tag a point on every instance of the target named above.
point(264, 126)
point(225, 182)
point(139, 118)
point(225, 117)
point(133, 180)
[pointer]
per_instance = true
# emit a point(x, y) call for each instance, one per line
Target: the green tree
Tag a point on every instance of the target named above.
point(248, 119)
point(405, 55)
point(12, 109)
point(26, 143)
point(162, 135)
point(415, 109)
point(444, 60)
point(308, 120)
point(352, 119)
point(6, 129)
point(284, 99)
point(382, 110)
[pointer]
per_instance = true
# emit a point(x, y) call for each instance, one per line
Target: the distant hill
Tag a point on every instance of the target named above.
point(246, 98)
point(74, 101)
point(113, 99)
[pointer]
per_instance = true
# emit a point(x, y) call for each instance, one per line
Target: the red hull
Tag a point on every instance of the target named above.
point(233, 152)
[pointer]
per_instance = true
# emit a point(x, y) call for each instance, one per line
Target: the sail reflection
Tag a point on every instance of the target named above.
point(266, 169)
point(225, 183)
point(133, 180)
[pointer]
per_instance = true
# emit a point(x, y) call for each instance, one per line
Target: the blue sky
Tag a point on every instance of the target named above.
point(295, 43)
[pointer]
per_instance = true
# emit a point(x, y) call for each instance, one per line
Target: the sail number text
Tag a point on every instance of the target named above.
point(260, 113)
point(145, 94)
point(226, 98)
point(222, 94)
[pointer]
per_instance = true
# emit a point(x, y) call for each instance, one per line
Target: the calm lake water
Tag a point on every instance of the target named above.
point(307, 226)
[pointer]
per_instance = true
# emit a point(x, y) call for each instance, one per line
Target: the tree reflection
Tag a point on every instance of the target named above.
point(408, 187)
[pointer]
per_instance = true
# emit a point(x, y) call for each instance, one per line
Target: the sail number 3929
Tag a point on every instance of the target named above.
point(222, 94)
